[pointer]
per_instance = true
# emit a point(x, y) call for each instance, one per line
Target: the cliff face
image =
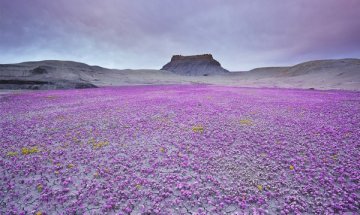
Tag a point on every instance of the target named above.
point(195, 65)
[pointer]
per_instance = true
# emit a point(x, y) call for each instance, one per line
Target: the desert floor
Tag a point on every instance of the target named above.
point(180, 149)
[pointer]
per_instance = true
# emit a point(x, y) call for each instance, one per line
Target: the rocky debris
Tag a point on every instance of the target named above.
point(195, 65)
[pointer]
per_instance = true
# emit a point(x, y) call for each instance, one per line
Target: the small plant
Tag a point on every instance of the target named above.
point(246, 122)
point(39, 188)
point(12, 154)
point(27, 151)
point(50, 97)
point(96, 175)
point(100, 144)
point(91, 141)
point(263, 154)
point(198, 129)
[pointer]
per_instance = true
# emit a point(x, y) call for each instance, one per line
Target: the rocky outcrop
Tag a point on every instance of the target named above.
point(195, 65)
point(48, 74)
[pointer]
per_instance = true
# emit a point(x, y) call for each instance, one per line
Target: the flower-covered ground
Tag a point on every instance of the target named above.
point(190, 149)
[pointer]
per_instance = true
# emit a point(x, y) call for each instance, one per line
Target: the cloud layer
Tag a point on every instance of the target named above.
point(241, 34)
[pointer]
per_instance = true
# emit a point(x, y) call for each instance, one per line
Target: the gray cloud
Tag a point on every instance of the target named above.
point(144, 34)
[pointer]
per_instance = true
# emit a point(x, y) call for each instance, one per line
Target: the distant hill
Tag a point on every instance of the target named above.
point(49, 74)
point(53, 74)
point(318, 74)
point(312, 67)
point(194, 65)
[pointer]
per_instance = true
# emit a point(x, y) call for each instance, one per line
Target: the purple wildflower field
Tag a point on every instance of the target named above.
point(180, 149)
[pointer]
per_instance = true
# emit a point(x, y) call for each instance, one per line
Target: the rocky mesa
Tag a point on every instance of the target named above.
point(195, 65)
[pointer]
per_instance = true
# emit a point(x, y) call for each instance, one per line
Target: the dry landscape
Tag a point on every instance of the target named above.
point(180, 149)
point(189, 143)
point(191, 107)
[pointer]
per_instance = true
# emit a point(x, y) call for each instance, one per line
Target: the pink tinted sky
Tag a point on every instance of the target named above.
point(241, 34)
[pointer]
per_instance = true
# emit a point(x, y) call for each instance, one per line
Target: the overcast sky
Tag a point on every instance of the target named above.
point(241, 34)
